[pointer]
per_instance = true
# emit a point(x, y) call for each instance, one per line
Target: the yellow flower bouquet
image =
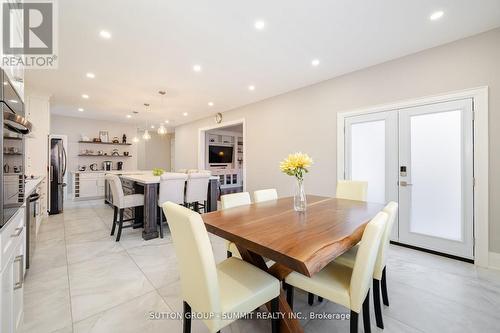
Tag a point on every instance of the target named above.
point(297, 165)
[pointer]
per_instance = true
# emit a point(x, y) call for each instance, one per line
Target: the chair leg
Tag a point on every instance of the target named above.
point(385, 297)
point(320, 299)
point(354, 322)
point(187, 318)
point(275, 321)
point(115, 215)
point(366, 313)
point(310, 298)
point(376, 304)
point(289, 295)
point(120, 226)
point(161, 223)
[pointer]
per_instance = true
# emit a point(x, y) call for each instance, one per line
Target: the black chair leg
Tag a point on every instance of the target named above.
point(120, 226)
point(187, 318)
point(161, 223)
point(353, 321)
point(115, 215)
point(320, 299)
point(229, 254)
point(376, 304)
point(289, 295)
point(385, 297)
point(366, 313)
point(310, 298)
point(275, 321)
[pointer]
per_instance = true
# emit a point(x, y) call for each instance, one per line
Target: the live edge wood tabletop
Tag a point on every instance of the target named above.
point(302, 242)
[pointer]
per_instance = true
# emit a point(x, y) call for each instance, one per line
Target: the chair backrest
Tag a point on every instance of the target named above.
point(392, 211)
point(192, 171)
point(182, 171)
point(116, 190)
point(265, 195)
point(352, 190)
point(198, 273)
point(197, 187)
point(235, 200)
point(172, 188)
point(366, 256)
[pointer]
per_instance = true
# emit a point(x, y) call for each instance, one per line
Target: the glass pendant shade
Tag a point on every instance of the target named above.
point(162, 130)
point(146, 135)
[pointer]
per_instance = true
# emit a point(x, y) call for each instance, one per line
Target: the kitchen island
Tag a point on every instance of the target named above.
point(150, 185)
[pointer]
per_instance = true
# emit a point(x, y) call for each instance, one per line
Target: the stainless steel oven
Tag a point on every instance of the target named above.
point(14, 126)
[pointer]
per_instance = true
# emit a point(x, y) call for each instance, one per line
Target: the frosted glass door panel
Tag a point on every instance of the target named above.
point(436, 175)
point(368, 157)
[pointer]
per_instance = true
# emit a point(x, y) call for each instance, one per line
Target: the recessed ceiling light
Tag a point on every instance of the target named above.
point(210, 103)
point(129, 116)
point(90, 75)
point(315, 62)
point(197, 68)
point(167, 121)
point(260, 25)
point(185, 114)
point(251, 87)
point(85, 96)
point(152, 126)
point(436, 15)
point(105, 34)
point(81, 109)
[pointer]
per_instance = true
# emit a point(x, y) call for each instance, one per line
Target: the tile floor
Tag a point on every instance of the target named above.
point(81, 280)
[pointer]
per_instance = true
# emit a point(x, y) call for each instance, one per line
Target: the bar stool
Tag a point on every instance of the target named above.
point(197, 190)
point(120, 202)
point(172, 187)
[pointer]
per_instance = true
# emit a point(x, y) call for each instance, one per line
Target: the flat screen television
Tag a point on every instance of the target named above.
point(220, 154)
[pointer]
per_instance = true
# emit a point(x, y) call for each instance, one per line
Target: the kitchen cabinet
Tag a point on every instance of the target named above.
point(12, 244)
point(88, 185)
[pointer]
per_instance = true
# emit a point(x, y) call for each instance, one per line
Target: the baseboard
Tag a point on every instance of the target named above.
point(494, 260)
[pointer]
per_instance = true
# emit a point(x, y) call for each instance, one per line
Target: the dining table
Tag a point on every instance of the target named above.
point(149, 185)
point(304, 242)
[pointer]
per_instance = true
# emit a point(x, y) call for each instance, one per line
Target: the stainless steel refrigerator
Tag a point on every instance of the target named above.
point(57, 170)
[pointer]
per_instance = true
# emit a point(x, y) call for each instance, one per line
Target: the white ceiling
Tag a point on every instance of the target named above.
point(155, 44)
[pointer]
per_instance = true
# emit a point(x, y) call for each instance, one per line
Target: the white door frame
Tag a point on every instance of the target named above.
point(481, 155)
point(201, 145)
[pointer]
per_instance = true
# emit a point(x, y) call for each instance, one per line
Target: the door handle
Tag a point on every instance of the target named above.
point(20, 283)
point(404, 183)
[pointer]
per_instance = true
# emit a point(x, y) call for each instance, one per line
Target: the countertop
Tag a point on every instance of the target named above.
point(147, 178)
point(116, 172)
point(31, 184)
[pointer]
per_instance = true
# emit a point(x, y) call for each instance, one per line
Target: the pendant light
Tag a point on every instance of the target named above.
point(162, 130)
point(146, 136)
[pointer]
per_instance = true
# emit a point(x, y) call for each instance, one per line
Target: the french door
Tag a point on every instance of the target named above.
point(421, 157)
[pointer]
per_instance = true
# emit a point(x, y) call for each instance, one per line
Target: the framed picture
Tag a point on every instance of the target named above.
point(104, 136)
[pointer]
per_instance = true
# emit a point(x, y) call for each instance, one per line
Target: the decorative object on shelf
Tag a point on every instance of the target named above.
point(115, 152)
point(218, 117)
point(119, 165)
point(107, 165)
point(93, 167)
point(297, 165)
point(104, 136)
point(125, 153)
point(6, 168)
point(100, 152)
point(124, 138)
point(158, 171)
point(96, 140)
point(17, 169)
point(82, 168)
point(116, 140)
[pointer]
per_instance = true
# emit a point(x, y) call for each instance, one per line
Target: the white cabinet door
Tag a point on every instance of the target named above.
point(88, 188)
point(18, 286)
point(6, 293)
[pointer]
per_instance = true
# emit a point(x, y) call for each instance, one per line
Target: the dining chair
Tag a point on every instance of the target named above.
point(182, 170)
point(265, 195)
point(172, 187)
point(197, 190)
point(344, 285)
point(379, 274)
point(229, 201)
point(226, 289)
point(352, 190)
point(120, 203)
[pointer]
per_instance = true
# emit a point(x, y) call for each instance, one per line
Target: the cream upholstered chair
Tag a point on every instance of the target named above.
point(344, 285)
point(379, 274)
point(229, 201)
point(172, 187)
point(197, 190)
point(352, 190)
point(233, 286)
point(182, 171)
point(265, 195)
point(120, 202)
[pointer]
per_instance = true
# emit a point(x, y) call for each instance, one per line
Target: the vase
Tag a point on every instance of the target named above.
point(299, 200)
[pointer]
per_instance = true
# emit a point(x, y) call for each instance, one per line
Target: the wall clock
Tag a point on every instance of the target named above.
point(218, 118)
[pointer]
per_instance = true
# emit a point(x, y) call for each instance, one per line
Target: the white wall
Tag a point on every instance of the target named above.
point(305, 119)
point(154, 153)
